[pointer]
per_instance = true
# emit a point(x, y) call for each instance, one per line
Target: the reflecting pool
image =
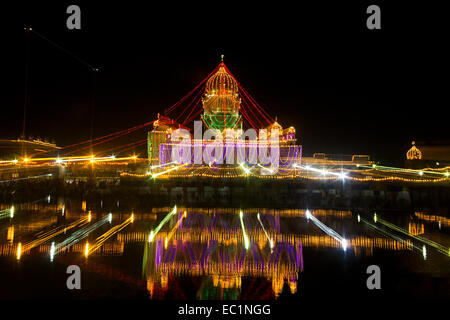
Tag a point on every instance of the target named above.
point(127, 251)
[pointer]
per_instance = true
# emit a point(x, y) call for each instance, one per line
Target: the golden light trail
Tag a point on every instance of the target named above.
point(49, 235)
point(7, 213)
point(78, 235)
point(264, 229)
point(155, 175)
point(433, 218)
point(175, 228)
point(324, 172)
point(19, 250)
point(246, 240)
point(108, 234)
point(162, 223)
point(60, 160)
point(408, 243)
point(8, 161)
point(416, 171)
point(162, 165)
point(440, 248)
point(327, 230)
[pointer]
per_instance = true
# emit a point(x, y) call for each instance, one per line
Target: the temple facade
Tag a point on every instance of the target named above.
point(222, 115)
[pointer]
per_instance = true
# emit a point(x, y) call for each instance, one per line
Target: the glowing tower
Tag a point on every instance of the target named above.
point(221, 102)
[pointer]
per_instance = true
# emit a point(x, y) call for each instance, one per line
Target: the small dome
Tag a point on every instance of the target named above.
point(275, 125)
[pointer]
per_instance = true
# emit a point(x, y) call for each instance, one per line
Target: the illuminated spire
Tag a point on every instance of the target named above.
point(221, 57)
point(221, 102)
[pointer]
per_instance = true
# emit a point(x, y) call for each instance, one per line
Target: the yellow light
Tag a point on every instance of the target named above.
point(132, 218)
point(86, 249)
point(25, 160)
point(19, 250)
point(165, 243)
point(89, 217)
point(152, 235)
point(244, 234)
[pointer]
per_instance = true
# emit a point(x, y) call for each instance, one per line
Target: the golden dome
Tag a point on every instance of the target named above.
point(221, 101)
point(221, 83)
point(275, 126)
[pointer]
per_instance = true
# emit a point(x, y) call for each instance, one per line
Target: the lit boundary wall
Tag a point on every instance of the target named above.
point(290, 154)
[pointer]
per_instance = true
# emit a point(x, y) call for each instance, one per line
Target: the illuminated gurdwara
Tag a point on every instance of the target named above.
point(226, 109)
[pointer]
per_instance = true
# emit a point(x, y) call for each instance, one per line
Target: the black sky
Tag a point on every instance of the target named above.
point(346, 89)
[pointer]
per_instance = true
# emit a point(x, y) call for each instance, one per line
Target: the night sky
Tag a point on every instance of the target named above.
point(346, 89)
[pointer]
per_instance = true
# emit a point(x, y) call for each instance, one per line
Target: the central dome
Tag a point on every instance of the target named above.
point(221, 83)
point(221, 102)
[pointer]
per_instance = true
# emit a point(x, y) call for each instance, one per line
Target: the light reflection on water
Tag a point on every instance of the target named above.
point(209, 253)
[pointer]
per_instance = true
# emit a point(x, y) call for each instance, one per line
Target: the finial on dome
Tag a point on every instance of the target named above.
point(413, 142)
point(221, 57)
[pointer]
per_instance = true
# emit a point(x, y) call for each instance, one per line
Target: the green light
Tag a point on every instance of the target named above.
point(437, 246)
point(420, 172)
point(221, 121)
point(161, 224)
